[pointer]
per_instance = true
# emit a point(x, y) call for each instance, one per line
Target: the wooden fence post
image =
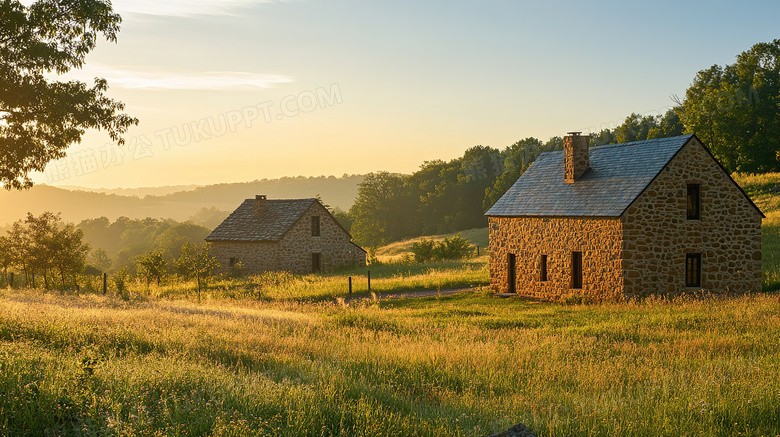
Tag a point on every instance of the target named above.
point(11, 280)
point(105, 283)
point(369, 280)
point(477, 251)
point(350, 286)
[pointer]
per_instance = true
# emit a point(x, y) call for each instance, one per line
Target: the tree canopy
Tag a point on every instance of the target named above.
point(735, 110)
point(40, 118)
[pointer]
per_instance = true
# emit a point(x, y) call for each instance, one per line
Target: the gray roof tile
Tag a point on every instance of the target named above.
point(243, 225)
point(618, 174)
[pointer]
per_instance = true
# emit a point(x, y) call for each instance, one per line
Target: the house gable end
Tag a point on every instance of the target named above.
point(695, 141)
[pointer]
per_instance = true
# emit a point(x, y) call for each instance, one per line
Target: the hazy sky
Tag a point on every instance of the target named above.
point(237, 90)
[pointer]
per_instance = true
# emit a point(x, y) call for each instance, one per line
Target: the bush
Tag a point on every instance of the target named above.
point(455, 247)
point(120, 280)
point(424, 250)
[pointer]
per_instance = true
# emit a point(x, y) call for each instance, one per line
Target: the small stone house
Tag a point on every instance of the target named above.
point(297, 235)
point(659, 216)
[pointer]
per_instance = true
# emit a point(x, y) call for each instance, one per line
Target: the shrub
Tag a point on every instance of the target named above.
point(424, 250)
point(455, 247)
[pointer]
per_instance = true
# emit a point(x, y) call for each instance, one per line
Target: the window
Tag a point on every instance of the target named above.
point(232, 262)
point(510, 273)
point(543, 268)
point(694, 202)
point(315, 263)
point(315, 226)
point(693, 270)
point(576, 270)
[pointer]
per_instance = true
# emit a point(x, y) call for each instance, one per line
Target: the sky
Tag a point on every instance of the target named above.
point(239, 90)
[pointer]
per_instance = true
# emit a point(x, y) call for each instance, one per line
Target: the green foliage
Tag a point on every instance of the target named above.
point(100, 260)
point(46, 247)
point(120, 279)
point(40, 118)
point(343, 217)
point(515, 160)
point(735, 109)
point(152, 267)
point(197, 262)
point(125, 239)
point(423, 250)
point(638, 128)
point(382, 212)
point(455, 247)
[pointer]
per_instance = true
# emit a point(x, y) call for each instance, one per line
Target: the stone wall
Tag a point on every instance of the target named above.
point(333, 244)
point(599, 240)
point(294, 251)
point(658, 235)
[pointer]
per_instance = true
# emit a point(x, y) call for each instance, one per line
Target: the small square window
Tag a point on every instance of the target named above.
point(693, 202)
point(693, 270)
point(232, 262)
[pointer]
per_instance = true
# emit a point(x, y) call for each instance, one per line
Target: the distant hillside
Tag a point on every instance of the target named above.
point(77, 205)
point(138, 192)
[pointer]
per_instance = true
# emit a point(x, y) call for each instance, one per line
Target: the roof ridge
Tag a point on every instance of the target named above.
point(637, 142)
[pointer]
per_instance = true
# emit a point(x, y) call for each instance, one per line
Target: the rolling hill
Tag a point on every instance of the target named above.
point(77, 204)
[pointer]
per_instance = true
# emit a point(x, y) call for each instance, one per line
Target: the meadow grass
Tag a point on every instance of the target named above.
point(281, 354)
point(385, 278)
point(465, 364)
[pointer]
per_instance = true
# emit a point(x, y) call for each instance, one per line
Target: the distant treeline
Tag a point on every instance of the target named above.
point(124, 240)
point(734, 109)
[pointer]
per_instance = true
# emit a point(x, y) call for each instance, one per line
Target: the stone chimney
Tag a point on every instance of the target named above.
point(260, 204)
point(576, 161)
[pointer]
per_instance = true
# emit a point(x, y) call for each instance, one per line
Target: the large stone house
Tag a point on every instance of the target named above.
point(621, 220)
point(297, 235)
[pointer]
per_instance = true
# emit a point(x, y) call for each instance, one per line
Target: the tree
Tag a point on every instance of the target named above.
point(736, 109)
point(381, 212)
point(44, 245)
point(197, 261)
point(515, 161)
point(668, 125)
point(6, 258)
point(100, 260)
point(70, 252)
point(40, 118)
point(152, 267)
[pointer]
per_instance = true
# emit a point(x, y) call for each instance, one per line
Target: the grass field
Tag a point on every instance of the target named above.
point(465, 364)
point(284, 355)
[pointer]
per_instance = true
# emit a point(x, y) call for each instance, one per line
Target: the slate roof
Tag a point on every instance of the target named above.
point(618, 174)
point(243, 225)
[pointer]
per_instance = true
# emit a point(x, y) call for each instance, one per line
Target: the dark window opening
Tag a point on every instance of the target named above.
point(543, 268)
point(693, 270)
point(315, 226)
point(694, 202)
point(511, 273)
point(576, 270)
point(232, 262)
point(316, 266)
